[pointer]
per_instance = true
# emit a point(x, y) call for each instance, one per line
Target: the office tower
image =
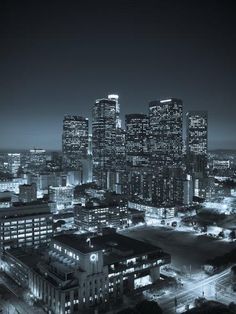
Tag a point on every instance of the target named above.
point(54, 164)
point(166, 150)
point(45, 180)
point(37, 159)
point(167, 190)
point(25, 225)
point(103, 139)
point(116, 99)
point(14, 163)
point(120, 148)
point(28, 193)
point(166, 128)
point(78, 273)
point(197, 141)
point(74, 141)
point(137, 133)
point(90, 149)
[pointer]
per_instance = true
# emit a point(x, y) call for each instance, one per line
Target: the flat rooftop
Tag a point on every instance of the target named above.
point(28, 209)
point(77, 242)
point(115, 241)
point(124, 243)
point(28, 257)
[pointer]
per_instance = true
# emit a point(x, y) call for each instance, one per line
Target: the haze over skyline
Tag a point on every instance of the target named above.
point(57, 58)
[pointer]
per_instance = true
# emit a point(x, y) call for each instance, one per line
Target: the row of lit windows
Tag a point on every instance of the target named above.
point(7, 223)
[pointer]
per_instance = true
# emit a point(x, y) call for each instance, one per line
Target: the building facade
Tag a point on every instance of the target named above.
point(137, 139)
point(104, 117)
point(25, 225)
point(166, 133)
point(74, 141)
point(78, 273)
point(28, 193)
point(95, 217)
point(197, 141)
point(14, 163)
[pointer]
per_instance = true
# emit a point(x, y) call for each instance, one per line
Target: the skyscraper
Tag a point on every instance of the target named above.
point(74, 141)
point(37, 159)
point(116, 99)
point(27, 193)
point(197, 141)
point(137, 146)
point(104, 117)
point(14, 163)
point(166, 150)
point(166, 138)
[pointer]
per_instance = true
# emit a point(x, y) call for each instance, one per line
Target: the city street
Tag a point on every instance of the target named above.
point(180, 298)
point(189, 252)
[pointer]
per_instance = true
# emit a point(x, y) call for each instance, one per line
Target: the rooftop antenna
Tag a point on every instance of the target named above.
point(89, 242)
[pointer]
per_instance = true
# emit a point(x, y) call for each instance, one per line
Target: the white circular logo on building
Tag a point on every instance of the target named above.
point(93, 257)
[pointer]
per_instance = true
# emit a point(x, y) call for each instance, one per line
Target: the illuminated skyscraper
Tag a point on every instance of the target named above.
point(137, 146)
point(197, 132)
point(104, 117)
point(37, 159)
point(116, 99)
point(197, 141)
point(14, 163)
point(28, 193)
point(166, 128)
point(74, 141)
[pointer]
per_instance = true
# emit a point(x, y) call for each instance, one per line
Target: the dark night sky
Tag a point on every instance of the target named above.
point(57, 57)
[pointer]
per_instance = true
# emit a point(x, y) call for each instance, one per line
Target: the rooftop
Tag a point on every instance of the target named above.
point(122, 245)
point(77, 242)
point(28, 209)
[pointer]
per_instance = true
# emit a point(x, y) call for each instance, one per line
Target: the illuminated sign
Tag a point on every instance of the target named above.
point(93, 257)
point(165, 100)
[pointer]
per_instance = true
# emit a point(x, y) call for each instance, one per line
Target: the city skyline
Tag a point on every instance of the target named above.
point(117, 157)
point(57, 60)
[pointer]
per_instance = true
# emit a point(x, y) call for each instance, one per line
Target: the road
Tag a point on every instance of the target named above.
point(201, 288)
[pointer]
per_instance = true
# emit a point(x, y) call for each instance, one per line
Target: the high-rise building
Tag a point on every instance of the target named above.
point(116, 99)
point(28, 193)
point(61, 197)
point(137, 134)
point(166, 133)
point(120, 148)
point(197, 141)
point(14, 163)
point(104, 118)
point(37, 159)
point(74, 141)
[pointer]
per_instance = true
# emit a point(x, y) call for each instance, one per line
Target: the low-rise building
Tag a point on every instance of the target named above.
point(78, 273)
point(95, 217)
point(153, 211)
point(12, 185)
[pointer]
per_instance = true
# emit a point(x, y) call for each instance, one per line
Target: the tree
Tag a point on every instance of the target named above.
point(232, 235)
point(221, 234)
